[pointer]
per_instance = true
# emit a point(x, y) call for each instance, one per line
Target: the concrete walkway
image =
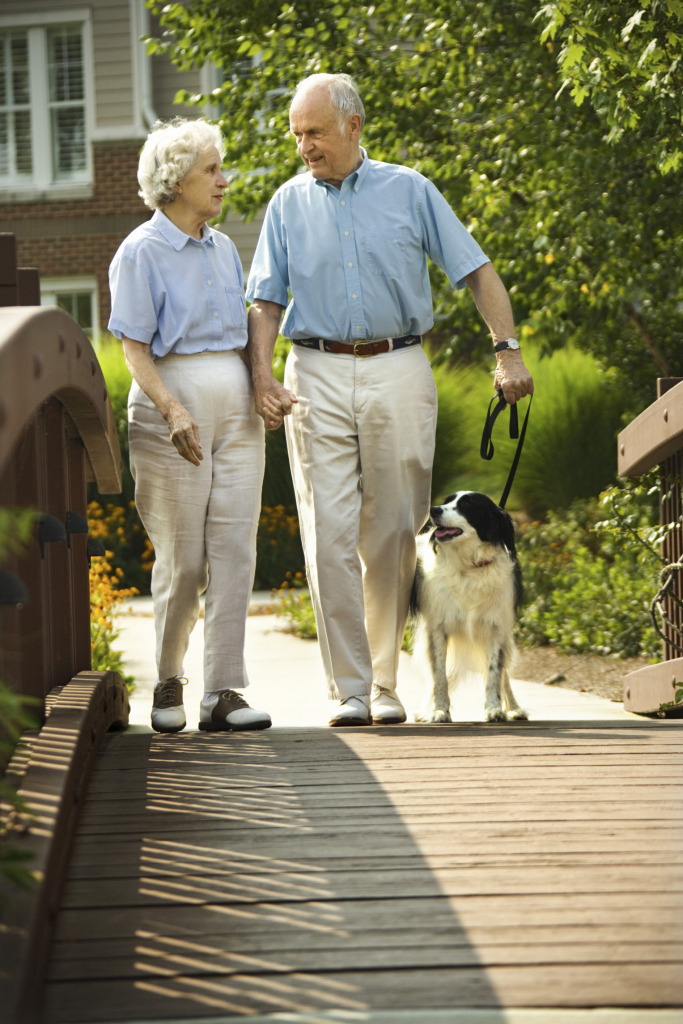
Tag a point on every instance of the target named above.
point(287, 678)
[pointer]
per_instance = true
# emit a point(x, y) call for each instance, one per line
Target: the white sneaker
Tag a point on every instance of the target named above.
point(352, 711)
point(168, 713)
point(386, 708)
point(228, 710)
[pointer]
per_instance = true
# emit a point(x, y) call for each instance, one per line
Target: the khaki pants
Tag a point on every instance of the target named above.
point(361, 446)
point(202, 520)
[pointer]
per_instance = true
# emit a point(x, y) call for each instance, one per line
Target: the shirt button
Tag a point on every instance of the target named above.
point(343, 202)
point(209, 281)
point(349, 264)
point(215, 316)
point(346, 234)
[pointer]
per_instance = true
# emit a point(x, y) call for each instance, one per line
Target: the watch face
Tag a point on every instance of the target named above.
point(512, 343)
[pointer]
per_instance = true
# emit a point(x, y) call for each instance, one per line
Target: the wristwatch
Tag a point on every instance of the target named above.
point(510, 343)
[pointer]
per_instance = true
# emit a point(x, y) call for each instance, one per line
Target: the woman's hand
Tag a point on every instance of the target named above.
point(183, 430)
point(184, 433)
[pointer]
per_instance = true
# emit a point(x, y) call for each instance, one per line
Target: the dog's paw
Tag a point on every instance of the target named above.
point(496, 714)
point(518, 715)
point(435, 717)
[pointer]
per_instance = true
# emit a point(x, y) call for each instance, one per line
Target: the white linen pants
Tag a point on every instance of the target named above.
point(361, 447)
point(202, 520)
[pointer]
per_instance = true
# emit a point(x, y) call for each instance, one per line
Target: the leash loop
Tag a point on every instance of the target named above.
point(486, 449)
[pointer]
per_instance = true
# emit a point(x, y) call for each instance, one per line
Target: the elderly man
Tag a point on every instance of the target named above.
point(344, 248)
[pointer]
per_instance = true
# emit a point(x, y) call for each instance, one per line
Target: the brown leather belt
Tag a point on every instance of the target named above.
point(359, 348)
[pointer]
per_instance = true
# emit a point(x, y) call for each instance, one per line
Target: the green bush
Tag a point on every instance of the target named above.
point(279, 555)
point(590, 575)
point(569, 453)
point(570, 446)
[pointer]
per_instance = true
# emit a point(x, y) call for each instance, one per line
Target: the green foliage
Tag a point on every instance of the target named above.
point(16, 526)
point(570, 449)
point(584, 232)
point(627, 60)
point(570, 446)
point(114, 519)
point(278, 547)
point(295, 606)
point(590, 574)
point(16, 718)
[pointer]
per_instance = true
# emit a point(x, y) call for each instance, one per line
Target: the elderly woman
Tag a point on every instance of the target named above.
point(196, 443)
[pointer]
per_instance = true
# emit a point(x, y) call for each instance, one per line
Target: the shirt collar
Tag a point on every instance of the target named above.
point(174, 236)
point(355, 178)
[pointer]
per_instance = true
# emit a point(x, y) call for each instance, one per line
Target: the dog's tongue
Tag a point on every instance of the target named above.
point(443, 533)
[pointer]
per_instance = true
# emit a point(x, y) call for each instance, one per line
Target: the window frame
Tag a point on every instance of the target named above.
point(51, 287)
point(44, 178)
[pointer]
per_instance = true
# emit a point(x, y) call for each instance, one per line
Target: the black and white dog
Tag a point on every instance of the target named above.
point(467, 588)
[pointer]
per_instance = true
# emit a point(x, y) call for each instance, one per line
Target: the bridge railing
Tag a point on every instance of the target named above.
point(57, 431)
point(655, 438)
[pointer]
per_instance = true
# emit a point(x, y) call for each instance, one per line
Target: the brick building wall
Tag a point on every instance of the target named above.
point(76, 237)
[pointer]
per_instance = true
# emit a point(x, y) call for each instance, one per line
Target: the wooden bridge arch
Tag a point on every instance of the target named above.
point(57, 432)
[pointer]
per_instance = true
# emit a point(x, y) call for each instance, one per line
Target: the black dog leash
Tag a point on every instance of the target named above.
point(487, 449)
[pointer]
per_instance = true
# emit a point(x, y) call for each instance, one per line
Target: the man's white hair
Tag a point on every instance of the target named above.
point(344, 95)
point(170, 151)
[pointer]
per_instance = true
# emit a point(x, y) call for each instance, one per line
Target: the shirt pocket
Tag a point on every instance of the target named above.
point(385, 252)
point(237, 307)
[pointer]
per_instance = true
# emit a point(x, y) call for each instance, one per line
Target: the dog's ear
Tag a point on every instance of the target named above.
point(508, 533)
point(425, 528)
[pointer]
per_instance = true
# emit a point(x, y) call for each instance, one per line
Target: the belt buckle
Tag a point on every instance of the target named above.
point(358, 347)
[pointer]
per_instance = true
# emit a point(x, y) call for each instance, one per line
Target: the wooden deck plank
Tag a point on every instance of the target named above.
point(305, 870)
point(114, 957)
point(548, 910)
point(164, 961)
point(240, 995)
point(417, 880)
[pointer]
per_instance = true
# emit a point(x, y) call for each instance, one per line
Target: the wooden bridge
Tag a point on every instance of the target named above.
point(527, 873)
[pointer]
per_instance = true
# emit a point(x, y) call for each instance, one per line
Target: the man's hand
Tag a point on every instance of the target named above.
point(512, 376)
point(184, 433)
point(272, 401)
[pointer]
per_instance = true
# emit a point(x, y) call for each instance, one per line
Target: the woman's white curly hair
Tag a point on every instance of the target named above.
point(169, 152)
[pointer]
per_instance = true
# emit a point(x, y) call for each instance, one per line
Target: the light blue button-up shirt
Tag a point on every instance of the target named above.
point(354, 259)
point(178, 294)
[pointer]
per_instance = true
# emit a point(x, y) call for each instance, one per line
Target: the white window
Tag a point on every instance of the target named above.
point(44, 113)
point(76, 295)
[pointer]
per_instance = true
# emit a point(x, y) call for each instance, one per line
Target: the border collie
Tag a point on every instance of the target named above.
point(467, 588)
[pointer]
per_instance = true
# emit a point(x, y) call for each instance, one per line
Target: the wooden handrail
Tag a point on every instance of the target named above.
point(655, 438)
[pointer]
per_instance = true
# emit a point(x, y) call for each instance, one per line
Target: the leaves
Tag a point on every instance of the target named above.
point(472, 96)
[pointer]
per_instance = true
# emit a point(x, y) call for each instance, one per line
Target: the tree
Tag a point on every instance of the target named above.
point(629, 64)
point(584, 233)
